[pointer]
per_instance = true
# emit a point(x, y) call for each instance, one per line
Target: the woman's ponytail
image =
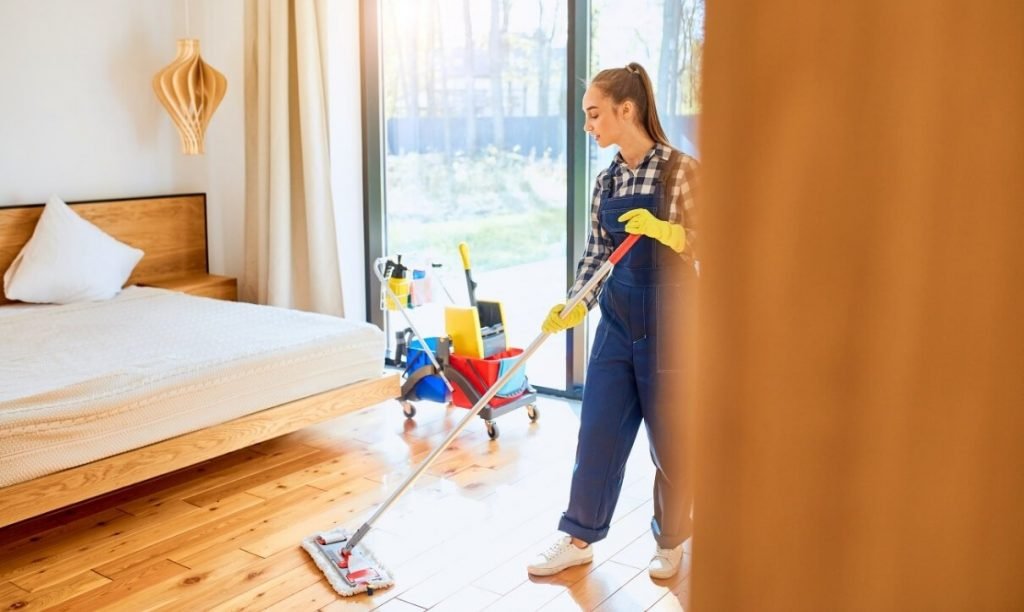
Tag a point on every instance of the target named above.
point(632, 83)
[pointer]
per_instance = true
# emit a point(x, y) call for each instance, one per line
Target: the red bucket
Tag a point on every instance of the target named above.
point(483, 373)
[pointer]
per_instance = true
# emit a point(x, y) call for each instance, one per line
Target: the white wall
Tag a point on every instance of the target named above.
point(78, 117)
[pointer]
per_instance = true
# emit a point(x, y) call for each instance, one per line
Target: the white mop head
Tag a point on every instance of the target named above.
point(363, 572)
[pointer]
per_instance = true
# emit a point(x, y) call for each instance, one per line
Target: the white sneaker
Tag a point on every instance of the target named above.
point(561, 554)
point(665, 562)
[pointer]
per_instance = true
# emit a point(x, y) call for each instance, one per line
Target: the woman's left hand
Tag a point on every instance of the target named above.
point(641, 221)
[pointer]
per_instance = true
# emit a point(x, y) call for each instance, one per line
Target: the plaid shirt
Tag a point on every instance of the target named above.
point(642, 181)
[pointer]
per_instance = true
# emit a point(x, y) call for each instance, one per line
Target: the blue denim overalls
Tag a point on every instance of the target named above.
point(621, 388)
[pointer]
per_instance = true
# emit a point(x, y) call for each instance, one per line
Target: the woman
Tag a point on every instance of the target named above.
point(648, 189)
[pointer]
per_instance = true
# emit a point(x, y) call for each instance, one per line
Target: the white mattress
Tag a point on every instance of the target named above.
point(85, 381)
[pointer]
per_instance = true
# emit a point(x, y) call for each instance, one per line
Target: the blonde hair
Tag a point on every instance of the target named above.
point(632, 83)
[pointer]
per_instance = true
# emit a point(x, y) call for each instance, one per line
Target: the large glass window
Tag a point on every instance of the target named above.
point(474, 148)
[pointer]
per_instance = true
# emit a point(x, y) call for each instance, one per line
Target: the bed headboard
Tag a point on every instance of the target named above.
point(170, 230)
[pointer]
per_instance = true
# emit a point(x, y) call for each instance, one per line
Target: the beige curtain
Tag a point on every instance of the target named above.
point(860, 415)
point(290, 239)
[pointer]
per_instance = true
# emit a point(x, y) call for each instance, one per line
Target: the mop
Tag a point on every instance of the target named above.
point(351, 567)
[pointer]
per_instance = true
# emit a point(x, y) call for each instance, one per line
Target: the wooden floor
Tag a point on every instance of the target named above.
point(225, 535)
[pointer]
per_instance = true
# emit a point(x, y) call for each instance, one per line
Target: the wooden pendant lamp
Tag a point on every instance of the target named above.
point(190, 90)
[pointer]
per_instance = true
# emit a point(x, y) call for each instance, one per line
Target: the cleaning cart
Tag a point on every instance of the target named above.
point(469, 377)
point(434, 370)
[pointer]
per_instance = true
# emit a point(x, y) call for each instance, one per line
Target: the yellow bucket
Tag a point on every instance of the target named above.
point(400, 287)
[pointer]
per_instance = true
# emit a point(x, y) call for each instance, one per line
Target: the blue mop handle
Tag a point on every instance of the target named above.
point(598, 276)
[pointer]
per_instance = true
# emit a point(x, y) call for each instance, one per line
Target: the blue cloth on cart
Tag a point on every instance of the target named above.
point(431, 388)
point(517, 385)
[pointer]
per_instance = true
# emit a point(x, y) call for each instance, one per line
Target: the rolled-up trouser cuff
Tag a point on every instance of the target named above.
point(668, 540)
point(578, 531)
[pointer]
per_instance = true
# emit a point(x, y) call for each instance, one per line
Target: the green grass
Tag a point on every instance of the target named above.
point(494, 242)
point(509, 208)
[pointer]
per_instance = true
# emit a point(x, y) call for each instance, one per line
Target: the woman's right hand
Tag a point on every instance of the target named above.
point(555, 323)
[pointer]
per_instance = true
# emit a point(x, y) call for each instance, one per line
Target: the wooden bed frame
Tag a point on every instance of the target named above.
point(171, 230)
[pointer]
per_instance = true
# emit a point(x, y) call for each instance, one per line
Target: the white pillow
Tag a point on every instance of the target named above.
point(67, 260)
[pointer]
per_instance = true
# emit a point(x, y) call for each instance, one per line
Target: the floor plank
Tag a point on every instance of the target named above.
point(254, 572)
point(216, 519)
point(116, 591)
point(192, 481)
point(313, 597)
point(78, 552)
point(41, 534)
point(599, 585)
point(676, 600)
point(184, 586)
point(467, 599)
point(270, 590)
point(395, 605)
point(51, 595)
point(255, 483)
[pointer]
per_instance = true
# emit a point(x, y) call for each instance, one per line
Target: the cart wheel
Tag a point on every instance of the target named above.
point(532, 411)
point(492, 430)
point(408, 409)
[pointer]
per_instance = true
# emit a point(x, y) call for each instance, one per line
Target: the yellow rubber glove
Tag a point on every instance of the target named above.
point(555, 323)
point(641, 221)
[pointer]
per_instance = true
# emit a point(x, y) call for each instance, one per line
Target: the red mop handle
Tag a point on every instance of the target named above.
point(603, 271)
point(627, 244)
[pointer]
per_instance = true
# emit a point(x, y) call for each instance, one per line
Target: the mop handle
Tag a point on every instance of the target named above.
point(598, 276)
point(416, 332)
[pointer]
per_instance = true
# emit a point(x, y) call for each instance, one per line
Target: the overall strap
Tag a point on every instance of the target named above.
point(667, 180)
point(607, 182)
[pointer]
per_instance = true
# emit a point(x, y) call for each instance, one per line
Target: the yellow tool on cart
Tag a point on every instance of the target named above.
point(476, 331)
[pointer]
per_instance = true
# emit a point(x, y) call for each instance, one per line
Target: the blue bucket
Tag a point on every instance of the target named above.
point(431, 388)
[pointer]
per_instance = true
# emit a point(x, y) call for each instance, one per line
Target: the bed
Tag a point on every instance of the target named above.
point(96, 396)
